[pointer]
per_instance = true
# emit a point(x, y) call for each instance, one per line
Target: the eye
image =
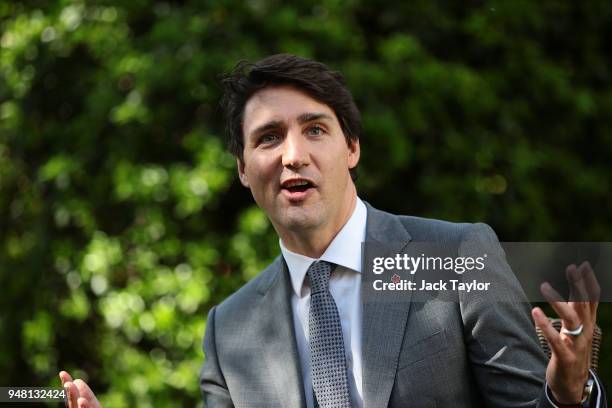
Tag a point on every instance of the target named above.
point(315, 130)
point(268, 138)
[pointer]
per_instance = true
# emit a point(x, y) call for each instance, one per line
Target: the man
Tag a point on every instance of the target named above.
point(307, 331)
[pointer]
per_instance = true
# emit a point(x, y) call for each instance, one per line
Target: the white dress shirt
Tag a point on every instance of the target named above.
point(345, 287)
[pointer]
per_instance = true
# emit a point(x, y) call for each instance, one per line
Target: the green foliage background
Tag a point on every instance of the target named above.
point(122, 221)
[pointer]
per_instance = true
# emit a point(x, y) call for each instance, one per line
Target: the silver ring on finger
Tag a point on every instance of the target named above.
point(575, 333)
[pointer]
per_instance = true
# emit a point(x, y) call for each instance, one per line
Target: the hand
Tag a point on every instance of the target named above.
point(568, 369)
point(79, 393)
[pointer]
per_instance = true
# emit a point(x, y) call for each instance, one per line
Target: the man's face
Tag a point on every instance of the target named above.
point(296, 160)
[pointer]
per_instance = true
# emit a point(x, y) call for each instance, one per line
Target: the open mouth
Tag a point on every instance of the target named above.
point(297, 186)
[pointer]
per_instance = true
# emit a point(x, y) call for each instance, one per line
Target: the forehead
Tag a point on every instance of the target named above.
point(280, 104)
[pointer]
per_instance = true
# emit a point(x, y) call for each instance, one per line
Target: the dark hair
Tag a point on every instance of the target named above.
point(312, 77)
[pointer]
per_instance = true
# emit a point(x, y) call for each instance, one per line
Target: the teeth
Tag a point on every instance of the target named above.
point(295, 183)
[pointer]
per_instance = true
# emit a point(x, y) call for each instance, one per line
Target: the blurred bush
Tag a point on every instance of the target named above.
point(121, 221)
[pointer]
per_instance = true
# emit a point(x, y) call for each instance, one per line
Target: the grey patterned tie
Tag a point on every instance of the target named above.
point(328, 362)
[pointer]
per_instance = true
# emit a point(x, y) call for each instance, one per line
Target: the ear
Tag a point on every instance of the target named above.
point(241, 174)
point(354, 153)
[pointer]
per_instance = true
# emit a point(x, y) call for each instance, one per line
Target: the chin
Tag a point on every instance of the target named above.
point(300, 218)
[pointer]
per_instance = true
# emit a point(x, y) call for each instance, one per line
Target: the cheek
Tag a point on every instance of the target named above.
point(340, 166)
point(260, 175)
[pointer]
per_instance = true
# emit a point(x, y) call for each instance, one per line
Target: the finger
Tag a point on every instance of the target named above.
point(569, 317)
point(84, 390)
point(550, 294)
point(83, 403)
point(64, 377)
point(73, 394)
point(592, 287)
point(551, 335)
point(576, 283)
point(578, 294)
point(567, 314)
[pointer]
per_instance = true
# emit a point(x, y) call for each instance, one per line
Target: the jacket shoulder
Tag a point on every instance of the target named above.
point(431, 229)
point(251, 291)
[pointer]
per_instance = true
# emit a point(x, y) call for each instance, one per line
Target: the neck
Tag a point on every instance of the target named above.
point(314, 242)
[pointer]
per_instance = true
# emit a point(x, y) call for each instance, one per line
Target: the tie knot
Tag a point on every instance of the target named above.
point(318, 274)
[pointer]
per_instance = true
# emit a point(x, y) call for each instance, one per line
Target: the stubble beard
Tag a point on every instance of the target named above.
point(300, 218)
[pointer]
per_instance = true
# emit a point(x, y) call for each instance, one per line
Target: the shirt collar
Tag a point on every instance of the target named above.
point(345, 249)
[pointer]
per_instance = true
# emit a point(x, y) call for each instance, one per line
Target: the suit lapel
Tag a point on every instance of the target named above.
point(384, 312)
point(384, 321)
point(278, 336)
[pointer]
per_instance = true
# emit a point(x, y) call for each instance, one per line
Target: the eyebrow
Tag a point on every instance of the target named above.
point(273, 124)
point(309, 117)
point(303, 118)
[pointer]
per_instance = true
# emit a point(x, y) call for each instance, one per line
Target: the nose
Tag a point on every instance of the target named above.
point(295, 153)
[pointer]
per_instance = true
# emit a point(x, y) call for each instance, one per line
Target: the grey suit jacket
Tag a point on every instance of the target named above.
point(469, 353)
